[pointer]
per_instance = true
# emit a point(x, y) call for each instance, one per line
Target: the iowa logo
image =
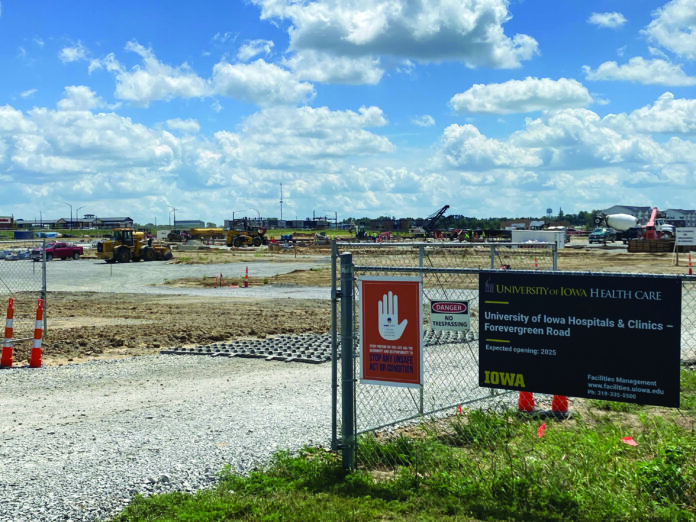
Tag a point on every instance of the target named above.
point(515, 380)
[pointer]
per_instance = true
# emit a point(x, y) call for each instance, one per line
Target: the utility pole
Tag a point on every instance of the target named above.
point(70, 214)
point(281, 201)
point(173, 209)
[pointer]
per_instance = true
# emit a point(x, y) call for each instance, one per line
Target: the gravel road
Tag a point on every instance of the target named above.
point(79, 441)
point(98, 276)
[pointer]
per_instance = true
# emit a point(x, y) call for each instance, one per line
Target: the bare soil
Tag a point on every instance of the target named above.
point(87, 325)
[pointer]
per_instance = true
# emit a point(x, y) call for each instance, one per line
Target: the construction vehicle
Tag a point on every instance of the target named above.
point(178, 236)
point(128, 245)
point(657, 226)
point(430, 226)
point(206, 233)
point(241, 234)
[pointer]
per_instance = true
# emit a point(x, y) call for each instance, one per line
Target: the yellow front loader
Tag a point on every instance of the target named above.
point(129, 245)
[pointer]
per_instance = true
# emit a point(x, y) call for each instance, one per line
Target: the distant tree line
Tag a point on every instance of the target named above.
point(583, 219)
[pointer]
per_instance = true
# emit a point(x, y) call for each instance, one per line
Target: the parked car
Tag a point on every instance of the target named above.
point(4, 254)
point(19, 255)
point(602, 235)
point(574, 231)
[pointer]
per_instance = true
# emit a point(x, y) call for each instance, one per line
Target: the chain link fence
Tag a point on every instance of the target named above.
point(403, 429)
point(23, 281)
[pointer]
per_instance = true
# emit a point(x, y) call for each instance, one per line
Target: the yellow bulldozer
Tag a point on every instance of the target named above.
point(128, 245)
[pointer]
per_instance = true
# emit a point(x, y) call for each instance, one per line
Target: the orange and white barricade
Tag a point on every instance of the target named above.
point(6, 359)
point(35, 358)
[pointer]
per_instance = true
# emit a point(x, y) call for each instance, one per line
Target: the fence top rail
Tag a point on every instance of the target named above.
point(600, 274)
point(409, 269)
point(453, 244)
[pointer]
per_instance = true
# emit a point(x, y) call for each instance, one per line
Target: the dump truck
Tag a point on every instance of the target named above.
point(128, 245)
point(207, 233)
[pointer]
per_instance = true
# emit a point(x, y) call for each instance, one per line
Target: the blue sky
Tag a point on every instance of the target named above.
point(356, 107)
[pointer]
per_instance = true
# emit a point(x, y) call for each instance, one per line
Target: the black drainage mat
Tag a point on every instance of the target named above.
point(309, 348)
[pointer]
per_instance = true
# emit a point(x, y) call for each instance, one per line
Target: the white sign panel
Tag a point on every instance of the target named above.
point(686, 235)
point(449, 315)
point(539, 236)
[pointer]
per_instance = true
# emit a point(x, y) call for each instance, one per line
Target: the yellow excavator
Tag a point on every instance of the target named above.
point(128, 245)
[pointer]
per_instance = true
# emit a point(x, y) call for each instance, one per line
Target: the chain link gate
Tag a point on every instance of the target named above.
point(376, 426)
point(449, 271)
point(24, 281)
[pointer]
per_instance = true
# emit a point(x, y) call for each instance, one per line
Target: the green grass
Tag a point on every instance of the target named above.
point(480, 465)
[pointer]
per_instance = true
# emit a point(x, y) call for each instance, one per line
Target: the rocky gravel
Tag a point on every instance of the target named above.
point(79, 441)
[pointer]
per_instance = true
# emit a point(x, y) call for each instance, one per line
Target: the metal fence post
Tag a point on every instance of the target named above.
point(555, 257)
point(492, 257)
point(347, 365)
point(43, 285)
point(421, 391)
point(334, 346)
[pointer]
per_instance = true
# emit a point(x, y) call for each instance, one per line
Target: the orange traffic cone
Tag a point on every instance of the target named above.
point(35, 359)
point(246, 278)
point(525, 402)
point(559, 404)
point(6, 360)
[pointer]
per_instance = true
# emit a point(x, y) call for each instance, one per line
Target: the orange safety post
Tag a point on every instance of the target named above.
point(525, 402)
point(246, 278)
point(35, 359)
point(536, 263)
point(6, 360)
point(690, 272)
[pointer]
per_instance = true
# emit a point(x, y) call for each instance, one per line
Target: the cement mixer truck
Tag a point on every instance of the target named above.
point(655, 228)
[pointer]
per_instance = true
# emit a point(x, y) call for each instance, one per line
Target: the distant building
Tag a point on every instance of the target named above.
point(187, 224)
point(689, 216)
point(6, 223)
point(113, 222)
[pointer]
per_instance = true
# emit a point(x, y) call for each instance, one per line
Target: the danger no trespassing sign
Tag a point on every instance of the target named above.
point(449, 315)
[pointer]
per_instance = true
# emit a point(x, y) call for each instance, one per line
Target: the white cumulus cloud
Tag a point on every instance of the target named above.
point(674, 28)
point(259, 82)
point(608, 20)
point(157, 81)
point(80, 98)
point(520, 96)
point(321, 67)
point(469, 32)
point(253, 48)
point(640, 70)
point(73, 54)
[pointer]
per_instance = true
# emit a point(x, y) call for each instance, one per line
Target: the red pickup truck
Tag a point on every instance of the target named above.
point(57, 250)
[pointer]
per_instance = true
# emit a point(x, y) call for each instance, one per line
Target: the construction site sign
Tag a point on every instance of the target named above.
point(449, 315)
point(609, 337)
point(686, 236)
point(391, 333)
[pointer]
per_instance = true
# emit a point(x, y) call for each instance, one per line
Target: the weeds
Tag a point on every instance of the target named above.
point(485, 465)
